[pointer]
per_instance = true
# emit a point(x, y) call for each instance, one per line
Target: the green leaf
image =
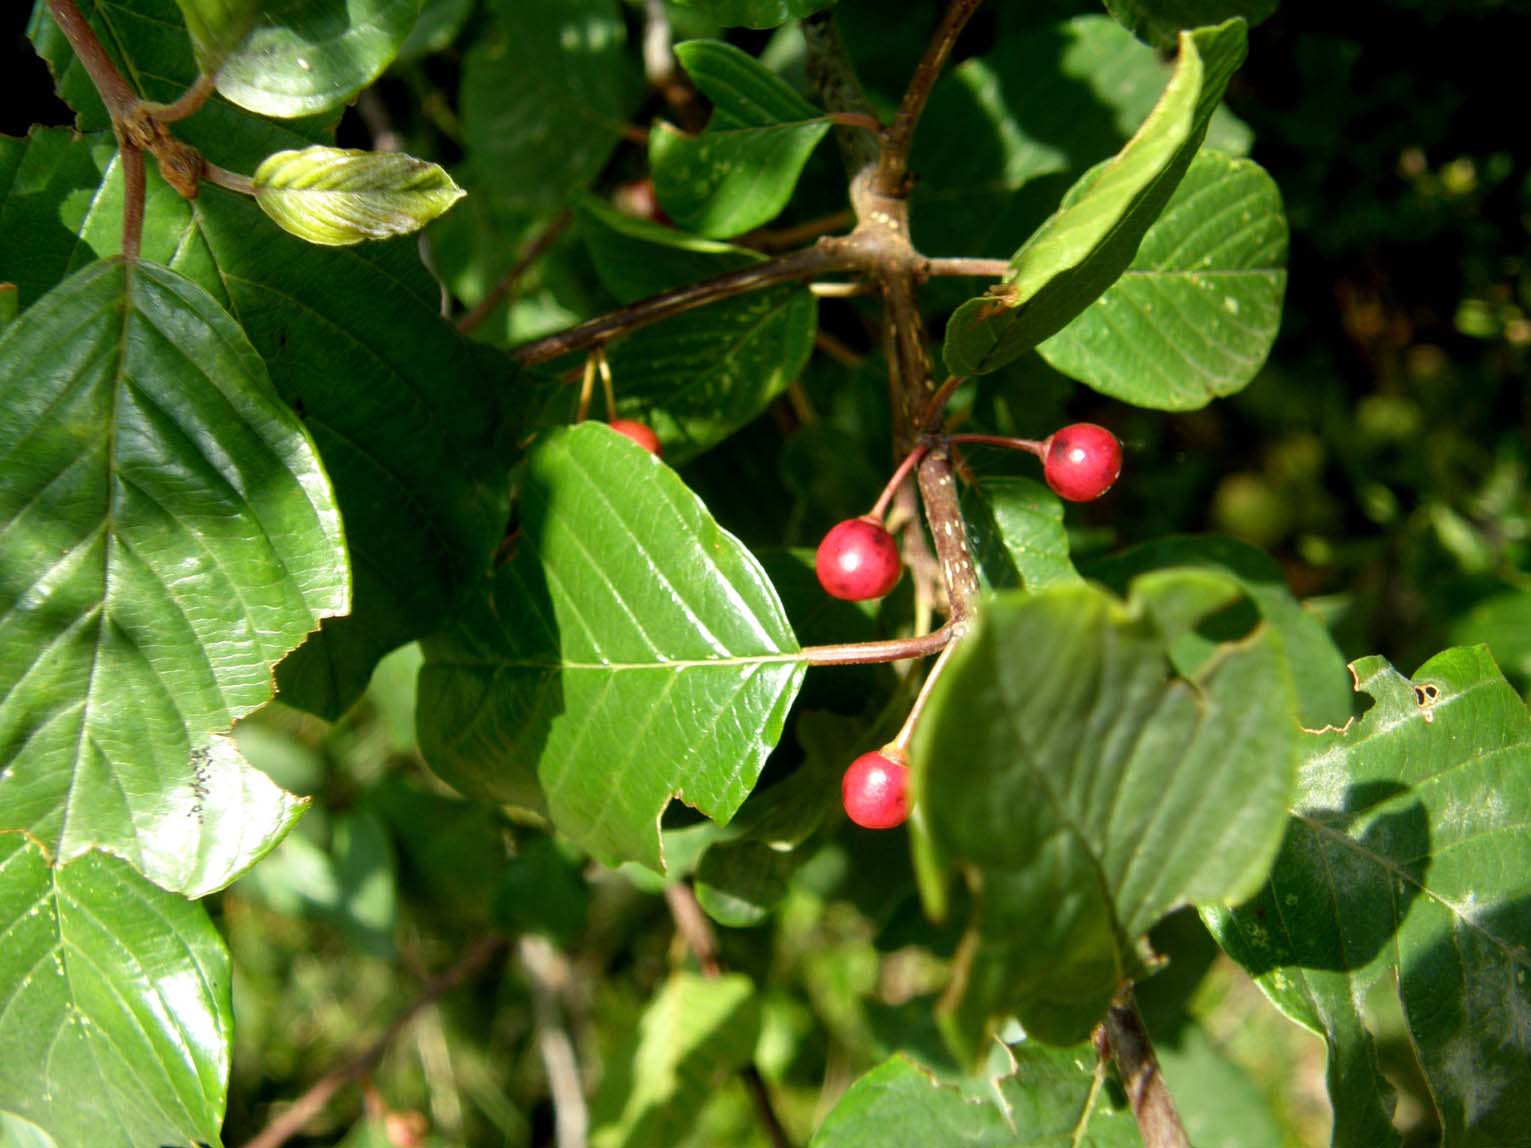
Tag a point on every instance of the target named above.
point(1195, 315)
point(41, 180)
point(1015, 527)
point(217, 27)
point(439, 24)
point(1052, 1100)
point(1158, 22)
point(544, 99)
point(18, 1133)
point(630, 652)
point(739, 883)
point(756, 13)
point(692, 1037)
point(543, 892)
point(635, 258)
point(115, 1019)
point(1323, 683)
point(1086, 789)
point(1078, 253)
point(10, 304)
point(1008, 131)
point(170, 536)
point(740, 172)
point(338, 196)
point(1407, 859)
point(307, 56)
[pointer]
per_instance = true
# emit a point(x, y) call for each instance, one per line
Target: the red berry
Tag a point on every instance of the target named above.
point(858, 560)
point(1081, 461)
point(640, 433)
point(876, 791)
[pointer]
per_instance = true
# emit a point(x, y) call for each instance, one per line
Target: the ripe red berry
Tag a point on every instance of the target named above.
point(1081, 461)
point(640, 433)
point(875, 791)
point(858, 560)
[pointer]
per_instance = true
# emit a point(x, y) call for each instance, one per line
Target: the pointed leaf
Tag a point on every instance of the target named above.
point(1195, 315)
point(544, 98)
point(1078, 253)
point(170, 537)
point(337, 196)
point(692, 1037)
point(756, 13)
point(1015, 527)
point(740, 172)
point(307, 56)
point(1087, 790)
point(631, 651)
point(1158, 22)
point(1052, 1100)
point(115, 1016)
point(1407, 858)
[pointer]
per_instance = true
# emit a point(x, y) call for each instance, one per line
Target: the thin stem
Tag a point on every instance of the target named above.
point(229, 180)
point(838, 350)
point(586, 389)
point(932, 412)
point(132, 199)
point(833, 76)
point(787, 238)
point(893, 162)
point(607, 386)
point(1030, 446)
point(1152, 1105)
point(906, 731)
point(312, 1102)
point(839, 290)
point(692, 925)
point(817, 260)
point(911, 460)
point(547, 971)
point(948, 532)
point(886, 650)
point(184, 106)
point(115, 93)
point(856, 120)
point(658, 56)
point(962, 265)
point(497, 294)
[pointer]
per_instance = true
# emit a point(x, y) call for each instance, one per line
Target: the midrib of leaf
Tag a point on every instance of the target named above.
point(1087, 1110)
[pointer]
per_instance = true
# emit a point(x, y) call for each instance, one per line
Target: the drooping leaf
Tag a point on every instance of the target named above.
point(631, 651)
point(1323, 683)
point(1008, 131)
point(1086, 789)
point(1195, 315)
point(1052, 1100)
point(1015, 527)
point(544, 98)
point(1079, 252)
point(338, 196)
point(756, 13)
point(692, 1037)
point(306, 56)
point(170, 536)
point(115, 1017)
point(1407, 858)
point(740, 172)
point(1158, 22)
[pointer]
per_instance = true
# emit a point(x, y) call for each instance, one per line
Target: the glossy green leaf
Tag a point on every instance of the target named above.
point(635, 258)
point(338, 196)
point(18, 1133)
point(439, 24)
point(630, 652)
point(1015, 527)
point(43, 177)
point(1086, 789)
point(307, 56)
point(1158, 22)
point(544, 98)
point(693, 1036)
point(1324, 695)
point(756, 13)
point(1052, 1100)
point(216, 27)
point(1007, 132)
point(170, 536)
point(740, 172)
point(1407, 858)
point(1078, 253)
point(115, 1017)
point(1196, 314)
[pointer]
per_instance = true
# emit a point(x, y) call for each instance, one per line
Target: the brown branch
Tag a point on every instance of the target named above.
point(826, 256)
point(132, 199)
point(319, 1094)
point(948, 532)
point(501, 290)
point(119, 98)
point(893, 161)
point(184, 106)
point(787, 238)
point(981, 268)
point(692, 925)
point(886, 650)
point(1127, 1040)
point(832, 75)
